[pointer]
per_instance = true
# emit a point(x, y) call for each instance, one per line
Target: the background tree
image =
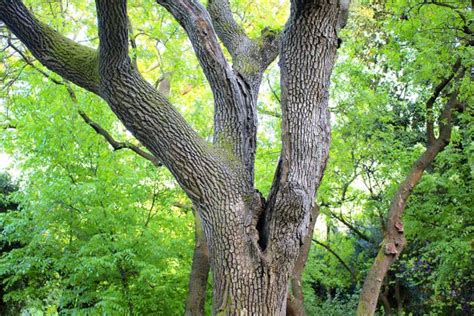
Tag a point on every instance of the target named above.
point(395, 90)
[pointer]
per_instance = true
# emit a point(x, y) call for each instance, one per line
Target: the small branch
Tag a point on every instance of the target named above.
point(343, 263)
point(446, 117)
point(29, 62)
point(116, 145)
point(268, 112)
point(350, 226)
point(431, 101)
point(447, 5)
point(8, 126)
point(274, 92)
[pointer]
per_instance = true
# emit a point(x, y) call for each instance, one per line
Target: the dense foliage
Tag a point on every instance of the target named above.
point(89, 230)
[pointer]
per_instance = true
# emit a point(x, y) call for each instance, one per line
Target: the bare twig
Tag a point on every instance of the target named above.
point(116, 145)
point(343, 263)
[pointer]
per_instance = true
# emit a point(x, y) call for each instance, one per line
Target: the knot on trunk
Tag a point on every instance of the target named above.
point(255, 204)
point(293, 202)
point(399, 227)
point(391, 249)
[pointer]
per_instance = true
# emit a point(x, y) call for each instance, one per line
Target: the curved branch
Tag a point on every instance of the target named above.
point(74, 62)
point(341, 261)
point(350, 226)
point(394, 240)
point(116, 145)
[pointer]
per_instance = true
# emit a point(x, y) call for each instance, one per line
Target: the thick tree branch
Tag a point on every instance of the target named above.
point(307, 56)
point(69, 59)
point(145, 112)
point(113, 35)
point(116, 145)
point(230, 32)
point(250, 57)
point(235, 114)
point(195, 20)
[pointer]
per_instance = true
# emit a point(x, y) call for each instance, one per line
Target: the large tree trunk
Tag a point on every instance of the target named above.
point(253, 243)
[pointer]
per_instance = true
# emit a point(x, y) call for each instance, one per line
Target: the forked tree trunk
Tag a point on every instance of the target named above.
point(253, 243)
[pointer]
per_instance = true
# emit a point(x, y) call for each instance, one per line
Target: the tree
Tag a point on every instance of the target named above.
point(253, 241)
point(404, 97)
point(7, 204)
point(449, 96)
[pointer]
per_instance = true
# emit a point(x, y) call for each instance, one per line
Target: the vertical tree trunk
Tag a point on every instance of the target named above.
point(253, 244)
point(196, 300)
point(295, 301)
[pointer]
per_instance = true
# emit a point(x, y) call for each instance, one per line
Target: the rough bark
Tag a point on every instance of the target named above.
point(253, 245)
point(235, 120)
point(69, 59)
point(307, 55)
point(196, 299)
point(394, 239)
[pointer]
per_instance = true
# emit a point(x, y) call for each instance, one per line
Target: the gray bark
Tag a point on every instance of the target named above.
point(195, 302)
point(253, 243)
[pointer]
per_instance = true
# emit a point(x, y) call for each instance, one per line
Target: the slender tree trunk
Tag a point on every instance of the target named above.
point(295, 302)
point(394, 240)
point(196, 299)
